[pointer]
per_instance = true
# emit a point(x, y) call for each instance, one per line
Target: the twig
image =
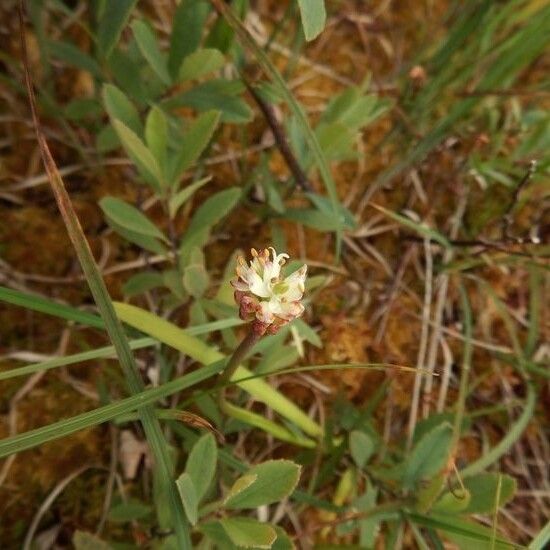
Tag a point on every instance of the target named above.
point(280, 138)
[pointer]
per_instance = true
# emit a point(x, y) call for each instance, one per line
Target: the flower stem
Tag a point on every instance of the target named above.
point(239, 354)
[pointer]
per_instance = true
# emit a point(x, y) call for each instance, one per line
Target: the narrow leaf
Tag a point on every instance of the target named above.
point(148, 46)
point(111, 24)
point(35, 302)
point(195, 140)
point(187, 28)
point(62, 428)
point(181, 197)
point(214, 209)
point(156, 135)
point(129, 217)
point(138, 152)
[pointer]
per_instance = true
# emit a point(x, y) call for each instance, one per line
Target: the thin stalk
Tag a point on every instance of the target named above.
point(239, 354)
point(466, 362)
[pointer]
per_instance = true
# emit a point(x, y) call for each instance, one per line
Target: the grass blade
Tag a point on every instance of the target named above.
point(49, 307)
point(100, 353)
point(65, 427)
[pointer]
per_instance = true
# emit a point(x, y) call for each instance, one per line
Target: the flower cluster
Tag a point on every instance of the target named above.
point(263, 295)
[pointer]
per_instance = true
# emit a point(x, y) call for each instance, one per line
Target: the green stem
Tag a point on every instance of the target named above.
point(233, 364)
point(239, 354)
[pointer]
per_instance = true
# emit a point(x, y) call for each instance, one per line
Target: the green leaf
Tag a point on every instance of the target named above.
point(361, 447)
point(249, 533)
point(222, 35)
point(283, 541)
point(127, 70)
point(79, 109)
point(142, 282)
point(240, 485)
point(181, 197)
point(74, 56)
point(138, 152)
point(62, 428)
point(189, 21)
point(200, 63)
point(542, 539)
point(35, 302)
point(208, 214)
point(313, 16)
point(148, 46)
point(201, 464)
point(104, 352)
point(483, 488)
point(86, 541)
point(219, 94)
point(147, 243)
point(156, 136)
point(196, 279)
point(128, 511)
point(452, 503)
point(188, 494)
point(217, 534)
point(118, 106)
point(336, 140)
point(111, 24)
point(129, 217)
point(274, 481)
point(195, 140)
point(428, 456)
point(466, 534)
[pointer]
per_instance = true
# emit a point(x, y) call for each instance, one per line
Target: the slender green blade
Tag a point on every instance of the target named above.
point(43, 305)
point(62, 428)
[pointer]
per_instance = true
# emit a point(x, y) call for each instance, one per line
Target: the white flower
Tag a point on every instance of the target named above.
point(262, 293)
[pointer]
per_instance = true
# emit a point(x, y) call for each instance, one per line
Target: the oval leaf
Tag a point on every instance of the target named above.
point(188, 495)
point(313, 16)
point(428, 456)
point(483, 489)
point(249, 533)
point(361, 447)
point(201, 464)
point(275, 480)
point(200, 63)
